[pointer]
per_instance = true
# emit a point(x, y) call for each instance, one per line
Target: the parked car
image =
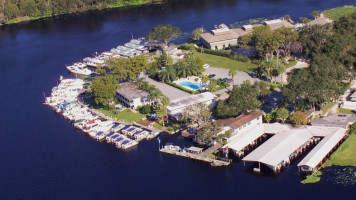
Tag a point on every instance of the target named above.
point(212, 75)
point(225, 80)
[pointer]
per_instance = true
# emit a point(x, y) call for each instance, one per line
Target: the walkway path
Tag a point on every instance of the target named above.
point(171, 92)
point(299, 65)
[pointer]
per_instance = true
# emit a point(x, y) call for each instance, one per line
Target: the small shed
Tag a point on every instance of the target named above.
point(194, 150)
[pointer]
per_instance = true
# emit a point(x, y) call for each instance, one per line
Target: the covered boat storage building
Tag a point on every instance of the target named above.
point(322, 151)
point(281, 148)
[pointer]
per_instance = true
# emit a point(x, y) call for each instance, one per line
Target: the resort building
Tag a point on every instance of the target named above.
point(177, 106)
point(222, 36)
point(219, 38)
point(130, 96)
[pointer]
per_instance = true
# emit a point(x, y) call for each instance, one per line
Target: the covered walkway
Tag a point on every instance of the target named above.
point(321, 151)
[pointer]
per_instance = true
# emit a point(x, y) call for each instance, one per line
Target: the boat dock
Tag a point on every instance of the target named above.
point(201, 156)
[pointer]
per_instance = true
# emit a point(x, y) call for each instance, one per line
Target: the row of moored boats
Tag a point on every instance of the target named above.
point(64, 99)
point(133, 48)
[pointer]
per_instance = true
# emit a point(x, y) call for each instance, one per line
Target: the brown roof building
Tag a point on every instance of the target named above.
point(241, 120)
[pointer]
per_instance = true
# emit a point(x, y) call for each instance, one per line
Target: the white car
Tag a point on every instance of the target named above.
point(206, 66)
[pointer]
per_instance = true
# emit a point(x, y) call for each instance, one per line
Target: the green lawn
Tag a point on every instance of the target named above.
point(337, 13)
point(346, 111)
point(327, 107)
point(227, 63)
point(313, 178)
point(345, 155)
point(126, 115)
point(158, 126)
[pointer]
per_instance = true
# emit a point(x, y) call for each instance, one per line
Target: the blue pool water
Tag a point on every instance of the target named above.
point(193, 86)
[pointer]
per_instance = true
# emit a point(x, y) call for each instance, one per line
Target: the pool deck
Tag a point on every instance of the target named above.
point(169, 91)
point(189, 79)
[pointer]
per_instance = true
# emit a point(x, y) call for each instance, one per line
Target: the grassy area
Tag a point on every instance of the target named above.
point(126, 115)
point(346, 111)
point(213, 154)
point(158, 126)
point(227, 63)
point(327, 107)
point(345, 155)
point(313, 178)
point(337, 13)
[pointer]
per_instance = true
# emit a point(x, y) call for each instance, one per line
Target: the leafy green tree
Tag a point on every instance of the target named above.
point(164, 34)
point(103, 89)
point(242, 98)
point(299, 118)
point(282, 114)
point(268, 117)
point(138, 65)
point(262, 40)
point(165, 60)
point(287, 17)
point(196, 33)
point(305, 20)
point(289, 41)
point(197, 114)
point(315, 14)
point(11, 10)
point(119, 67)
point(30, 8)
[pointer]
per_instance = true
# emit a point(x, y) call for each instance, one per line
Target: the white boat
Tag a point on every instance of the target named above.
point(94, 62)
point(128, 144)
point(79, 68)
point(152, 135)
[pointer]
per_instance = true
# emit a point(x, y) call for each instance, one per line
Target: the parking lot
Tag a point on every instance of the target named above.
point(224, 73)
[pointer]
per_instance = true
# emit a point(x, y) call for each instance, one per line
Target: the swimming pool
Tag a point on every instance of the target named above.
point(191, 85)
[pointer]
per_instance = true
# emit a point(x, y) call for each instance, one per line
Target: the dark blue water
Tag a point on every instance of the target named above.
point(43, 157)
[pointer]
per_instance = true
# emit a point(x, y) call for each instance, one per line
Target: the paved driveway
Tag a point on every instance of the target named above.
point(171, 92)
point(224, 73)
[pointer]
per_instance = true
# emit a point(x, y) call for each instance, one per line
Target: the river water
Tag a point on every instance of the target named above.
point(43, 157)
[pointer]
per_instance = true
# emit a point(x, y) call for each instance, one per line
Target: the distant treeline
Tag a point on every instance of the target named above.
point(21, 10)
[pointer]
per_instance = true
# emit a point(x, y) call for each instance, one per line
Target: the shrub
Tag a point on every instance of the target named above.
point(242, 58)
point(146, 109)
point(186, 46)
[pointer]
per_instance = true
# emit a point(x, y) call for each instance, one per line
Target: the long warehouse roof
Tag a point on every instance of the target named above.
point(322, 149)
point(279, 147)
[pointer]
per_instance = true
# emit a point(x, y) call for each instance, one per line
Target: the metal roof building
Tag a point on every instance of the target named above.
point(321, 151)
point(278, 148)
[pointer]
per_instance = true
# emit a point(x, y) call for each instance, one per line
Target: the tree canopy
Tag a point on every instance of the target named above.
point(163, 34)
point(103, 89)
point(243, 98)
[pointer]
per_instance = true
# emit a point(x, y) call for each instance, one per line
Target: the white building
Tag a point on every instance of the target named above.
point(241, 123)
point(131, 96)
point(177, 106)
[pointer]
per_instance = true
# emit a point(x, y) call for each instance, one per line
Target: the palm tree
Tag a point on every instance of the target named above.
point(232, 73)
point(167, 74)
point(204, 80)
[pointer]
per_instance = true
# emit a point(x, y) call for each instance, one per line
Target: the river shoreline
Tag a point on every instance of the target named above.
point(134, 4)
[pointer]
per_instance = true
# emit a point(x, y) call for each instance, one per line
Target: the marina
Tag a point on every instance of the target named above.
point(64, 100)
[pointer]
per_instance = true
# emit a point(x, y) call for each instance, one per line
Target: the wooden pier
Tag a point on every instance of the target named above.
point(198, 157)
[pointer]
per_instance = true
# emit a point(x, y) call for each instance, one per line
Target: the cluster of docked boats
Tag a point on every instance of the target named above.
point(64, 99)
point(133, 48)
